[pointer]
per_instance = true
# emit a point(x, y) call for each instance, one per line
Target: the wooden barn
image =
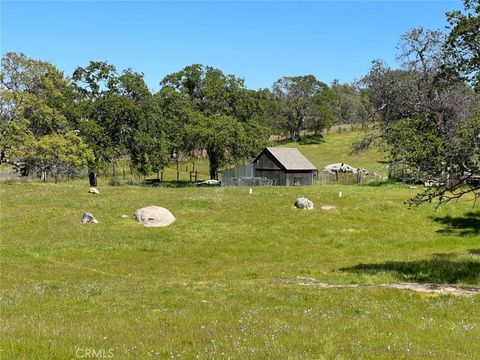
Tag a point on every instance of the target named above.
point(285, 166)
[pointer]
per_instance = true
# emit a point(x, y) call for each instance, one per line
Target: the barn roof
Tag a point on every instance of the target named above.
point(290, 158)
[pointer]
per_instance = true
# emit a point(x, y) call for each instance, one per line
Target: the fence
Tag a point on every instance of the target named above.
point(325, 177)
point(250, 181)
point(230, 177)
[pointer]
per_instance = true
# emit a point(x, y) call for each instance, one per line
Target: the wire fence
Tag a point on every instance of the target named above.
point(249, 181)
point(325, 177)
point(234, 176)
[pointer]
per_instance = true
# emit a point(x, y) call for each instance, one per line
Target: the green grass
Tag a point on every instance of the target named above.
point(215, 284)
point(220, 282)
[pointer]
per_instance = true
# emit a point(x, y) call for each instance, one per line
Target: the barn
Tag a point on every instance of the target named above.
point(285, 166)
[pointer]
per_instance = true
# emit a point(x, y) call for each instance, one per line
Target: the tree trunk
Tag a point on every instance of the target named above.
point(212, 162)
point(294, 135)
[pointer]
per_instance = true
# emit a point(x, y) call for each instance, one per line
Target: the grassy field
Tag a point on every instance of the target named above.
point(222, 281)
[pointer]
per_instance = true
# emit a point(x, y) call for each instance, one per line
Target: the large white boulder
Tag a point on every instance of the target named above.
point(303, 203)
point(154, 216)
point(339, 167)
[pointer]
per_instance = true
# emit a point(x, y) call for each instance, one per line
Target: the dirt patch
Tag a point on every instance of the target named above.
point(417, 287)
point(329, 208)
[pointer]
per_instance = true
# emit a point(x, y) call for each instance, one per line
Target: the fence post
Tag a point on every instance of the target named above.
point(178, 173)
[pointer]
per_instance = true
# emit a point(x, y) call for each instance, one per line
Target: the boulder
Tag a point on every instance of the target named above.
point(88, 218)
point(154, 216)
point(93, 190)
point(210, 182)
point(303, 203)
point(339, 167)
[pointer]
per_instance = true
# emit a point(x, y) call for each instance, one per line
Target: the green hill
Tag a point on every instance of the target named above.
point(336, 148)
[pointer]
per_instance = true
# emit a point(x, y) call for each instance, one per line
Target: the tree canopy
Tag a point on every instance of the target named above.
point(462, 46)
point(301, 102)
point(36, 112)
point(215, 113)
point(429, 114)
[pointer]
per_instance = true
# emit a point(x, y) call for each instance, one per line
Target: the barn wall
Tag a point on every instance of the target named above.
point(278, 176)
point(267, 166)
point(299, 178)
point(267, 162)
point(289, 179)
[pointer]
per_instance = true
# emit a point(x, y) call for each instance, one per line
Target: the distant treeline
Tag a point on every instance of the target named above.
point(55, 123)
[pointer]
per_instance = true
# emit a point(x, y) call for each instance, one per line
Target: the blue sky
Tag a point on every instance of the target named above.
point(258, 41)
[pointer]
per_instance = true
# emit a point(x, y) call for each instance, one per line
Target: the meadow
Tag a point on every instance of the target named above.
point(222, 282)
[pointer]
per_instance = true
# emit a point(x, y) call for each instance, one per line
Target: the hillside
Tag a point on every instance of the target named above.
point(336, 147)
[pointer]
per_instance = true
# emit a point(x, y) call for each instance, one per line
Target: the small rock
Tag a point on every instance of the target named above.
point(211, 182)
point(88, 218)
point(303, 203)
point(154, 216)
point(93, 190)
point(329, 208)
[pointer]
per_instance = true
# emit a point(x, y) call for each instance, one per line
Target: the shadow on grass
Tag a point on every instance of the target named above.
point(462, 226)
point(439, 270)
point(311, 139)
point(379, 183)
point(169, 184)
